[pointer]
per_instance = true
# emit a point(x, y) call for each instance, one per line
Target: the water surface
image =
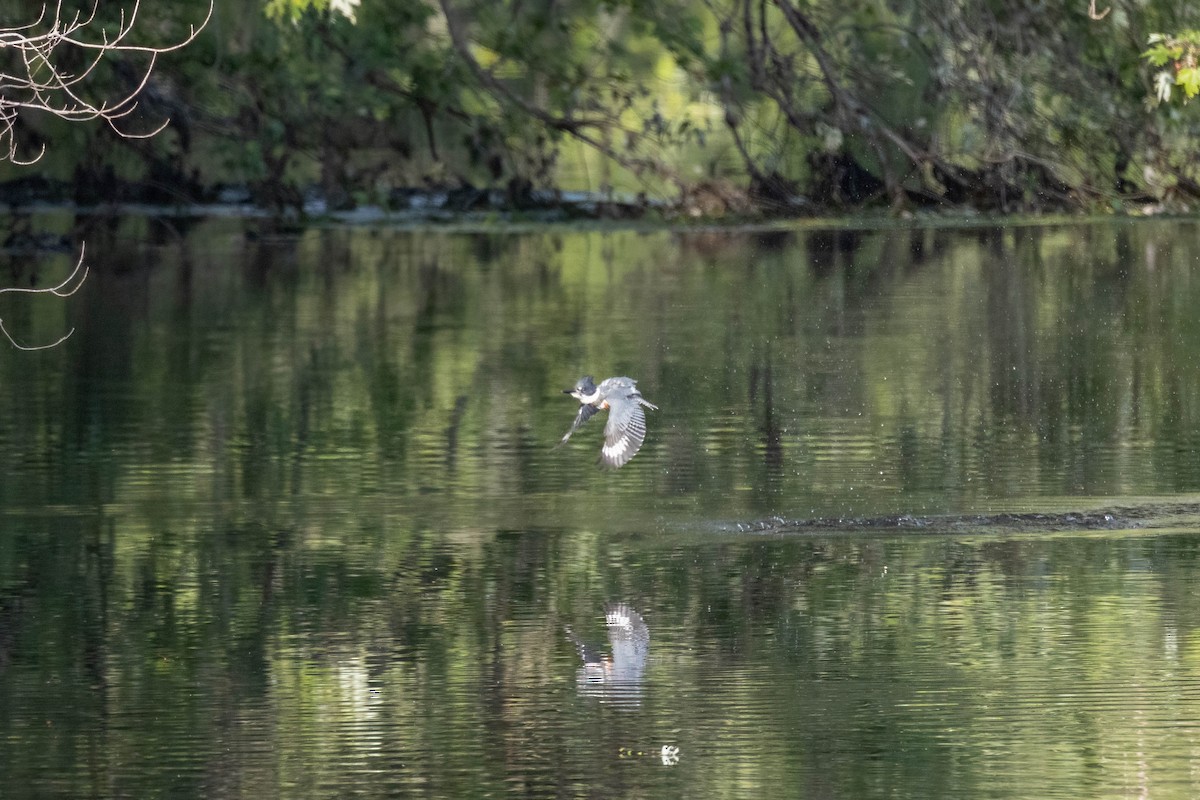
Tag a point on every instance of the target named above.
point(283, 517)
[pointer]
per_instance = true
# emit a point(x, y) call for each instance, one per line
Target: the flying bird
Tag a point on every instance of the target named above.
point(626, 428)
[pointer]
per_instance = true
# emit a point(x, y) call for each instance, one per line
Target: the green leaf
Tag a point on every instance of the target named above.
point(1189, 79)
point(1161, 54)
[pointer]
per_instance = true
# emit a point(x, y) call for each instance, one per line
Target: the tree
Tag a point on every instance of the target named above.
point(807, 106)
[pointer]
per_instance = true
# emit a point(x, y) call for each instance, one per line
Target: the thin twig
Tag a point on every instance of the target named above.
point(69, 286)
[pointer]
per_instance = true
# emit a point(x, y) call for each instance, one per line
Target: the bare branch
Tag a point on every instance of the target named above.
point(43, 82)
point(69, 286)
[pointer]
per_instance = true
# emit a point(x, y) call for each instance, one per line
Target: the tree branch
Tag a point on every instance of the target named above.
point(69, 286)
point(44, 84)
point(576, 127)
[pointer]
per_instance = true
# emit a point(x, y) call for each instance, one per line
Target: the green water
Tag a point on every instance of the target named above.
point(283, 517)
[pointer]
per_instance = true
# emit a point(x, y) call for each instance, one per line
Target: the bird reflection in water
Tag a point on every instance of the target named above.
point(617, 677)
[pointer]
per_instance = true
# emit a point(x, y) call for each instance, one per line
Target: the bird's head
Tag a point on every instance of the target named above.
point(584, 388)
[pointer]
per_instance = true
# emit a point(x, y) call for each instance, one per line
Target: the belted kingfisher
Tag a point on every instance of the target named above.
point(626, 428)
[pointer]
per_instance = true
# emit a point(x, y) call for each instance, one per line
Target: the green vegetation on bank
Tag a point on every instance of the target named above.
point(716, 106)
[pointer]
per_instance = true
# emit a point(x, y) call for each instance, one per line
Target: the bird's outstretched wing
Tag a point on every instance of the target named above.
point(623, 435)
point(585, 413)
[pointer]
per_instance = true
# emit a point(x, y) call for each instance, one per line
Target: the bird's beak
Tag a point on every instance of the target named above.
point(568, 391)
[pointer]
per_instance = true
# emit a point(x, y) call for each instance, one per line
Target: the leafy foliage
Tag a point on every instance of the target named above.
point(1180, 51)
point(294, 9)
point(723, 105)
